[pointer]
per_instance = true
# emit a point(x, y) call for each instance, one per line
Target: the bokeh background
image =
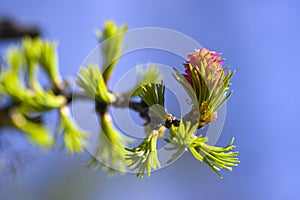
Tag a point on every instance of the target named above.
point(259, 38)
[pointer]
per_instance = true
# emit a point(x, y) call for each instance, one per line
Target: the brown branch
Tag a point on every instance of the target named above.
point(5, 119)
point(140, 107)
point(10, 29)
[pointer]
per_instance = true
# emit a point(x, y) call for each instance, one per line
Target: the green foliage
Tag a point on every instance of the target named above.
point(28, 99)
point(31, 51)
point(92, 83)
point(8, 82)
point(14, 58)
point(48, 61)
point(40, 101)
point(34, 131)
point(22, 61)
point(215, 157)
point(74, 137)
point(143, 158)
point(184, 138)
point(151, 75)
point(110, 152)
point(154, 96)
point(41, 53)
point(19, 83)
point(181, 139)
point(11, 75)
point(111, 36)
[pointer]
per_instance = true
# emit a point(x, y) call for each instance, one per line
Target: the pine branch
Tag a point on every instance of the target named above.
point(205, 81)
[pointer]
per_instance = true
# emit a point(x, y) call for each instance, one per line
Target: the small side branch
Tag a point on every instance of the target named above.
point(10, 29)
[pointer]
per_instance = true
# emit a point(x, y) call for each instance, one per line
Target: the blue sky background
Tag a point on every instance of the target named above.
point(259, 38)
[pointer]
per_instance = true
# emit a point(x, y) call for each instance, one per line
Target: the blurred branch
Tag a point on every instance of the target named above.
point(10, 29)
point(5, 119)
